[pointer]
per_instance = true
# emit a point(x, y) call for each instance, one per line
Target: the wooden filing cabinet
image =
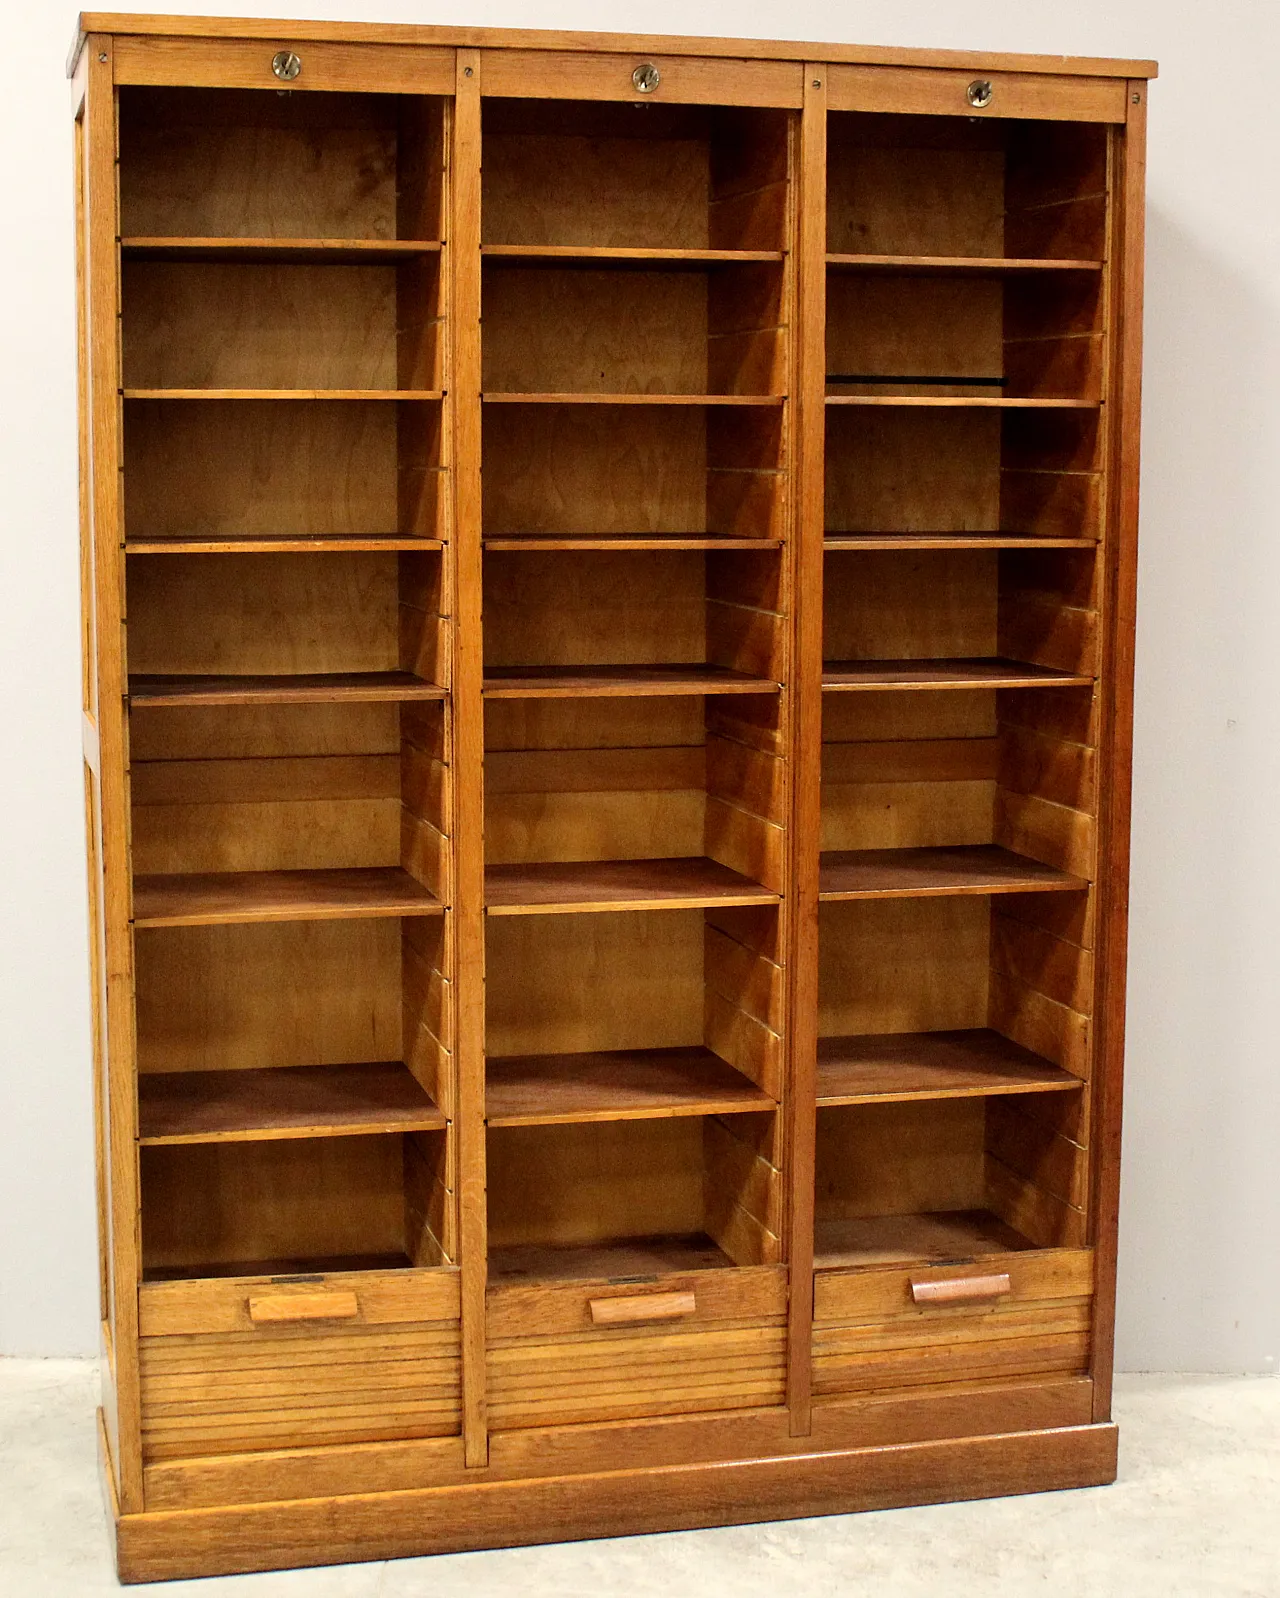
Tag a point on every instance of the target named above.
point(608, 573)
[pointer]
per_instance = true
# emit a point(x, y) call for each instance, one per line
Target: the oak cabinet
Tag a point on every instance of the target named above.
point(608, 576)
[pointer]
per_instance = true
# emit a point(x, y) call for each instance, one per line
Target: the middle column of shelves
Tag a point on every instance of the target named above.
point(635, 335)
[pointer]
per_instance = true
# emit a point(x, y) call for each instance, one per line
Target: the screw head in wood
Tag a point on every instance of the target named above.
point(646, 78)
point(286, 65)
point(979, 93)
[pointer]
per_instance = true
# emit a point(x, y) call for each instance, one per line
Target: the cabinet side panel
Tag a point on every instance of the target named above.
point(1125, 391)
point(100, 354)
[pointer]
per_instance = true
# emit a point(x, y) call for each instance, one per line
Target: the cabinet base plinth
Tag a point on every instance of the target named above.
point(178, 1544)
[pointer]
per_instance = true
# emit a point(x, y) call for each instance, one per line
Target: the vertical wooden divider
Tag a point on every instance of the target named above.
point(102, 354)
point(463, 235)
point(1124, 392)
point(808, 434)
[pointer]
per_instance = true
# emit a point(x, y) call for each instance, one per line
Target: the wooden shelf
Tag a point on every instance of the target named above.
point(621, 1085)
point(856, 676)
point(212, 898)
point(893, 1067)
point(638, 1258)
point(581, 398)
point(948, 1236)
point(957, 265)
point(353, 252)
point(964, 401)
point(863, 541)
point(349, 687)
point(326, 1265)
point(618, 682)
point(629, 541)
point(930, 873)
point(282, 545)
point(607, 256)
point(283, 393)
point(598, 885)
point(294, 1102)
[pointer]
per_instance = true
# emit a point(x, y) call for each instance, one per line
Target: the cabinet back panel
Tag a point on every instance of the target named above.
point(931, 326)
point(312, 1198)
point(913, 471)
point(595, 1182)
point(572, 724)
point(578, 469)
point(895, 605)
point(572, 984)
point(239, 469)
point(213, 732)
point(900, 1159)
point(903, 966)
point(226, 998)
point(263, 613)
point(596, 608)
point(213, 163)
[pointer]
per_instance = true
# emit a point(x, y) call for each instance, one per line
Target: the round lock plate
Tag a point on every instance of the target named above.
point(979, 93)
point(646, 78)
point(286, 65)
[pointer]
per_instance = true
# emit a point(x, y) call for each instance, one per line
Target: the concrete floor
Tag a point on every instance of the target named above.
point(1196, 1513)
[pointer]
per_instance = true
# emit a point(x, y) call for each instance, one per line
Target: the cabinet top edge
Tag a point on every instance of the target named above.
point(112, 22)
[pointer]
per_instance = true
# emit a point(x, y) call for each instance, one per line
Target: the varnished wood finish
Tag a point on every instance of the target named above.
point(607, 800)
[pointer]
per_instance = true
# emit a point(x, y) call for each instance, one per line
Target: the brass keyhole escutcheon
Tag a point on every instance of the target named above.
point(979, 93)
point(646, 78)
point(286, 65)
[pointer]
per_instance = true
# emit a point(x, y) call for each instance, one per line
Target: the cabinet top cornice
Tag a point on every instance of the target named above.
point(111, 22)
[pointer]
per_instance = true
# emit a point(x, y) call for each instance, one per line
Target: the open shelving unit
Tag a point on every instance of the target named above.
point(608, 591)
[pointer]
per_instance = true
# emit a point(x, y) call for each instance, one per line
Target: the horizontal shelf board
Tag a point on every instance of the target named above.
point(283, 393)
point(618, 682)
point(947, 1236)
point(310, 251)
point(957, 265)
point(930, 873)
point(223, 897)
point(294, 1102)
point(356, 686)
point(954, 401)
point(579, 398)
point(528, 541)
point(853, 676)
point(893, 1067)
point(620, 1085)
point(605, 256)
point(856, 541)
point(283, 545)
point(564, 887)
point(640, 1257)
point(324, 1265)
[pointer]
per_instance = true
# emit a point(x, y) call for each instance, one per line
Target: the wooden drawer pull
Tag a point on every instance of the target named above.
point(641, 1307)
point(282, 1307)
point(962, 1289)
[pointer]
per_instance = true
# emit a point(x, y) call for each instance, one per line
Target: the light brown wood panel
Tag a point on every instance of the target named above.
point(904, 326)
point(244, 469)
point(594, 470)
point(1048, 1146)
point(686, 79)
point(574, 725)
point(891, 717)
point(594, 609)
point(906, 606)
point(596, 332)
point(899, 1159)
point(216, 1204)
point(1055, 834)
point(902, 966)
point(246, 1392)
point(914, 186)
point(937, 92)
point(427, 990)
point(334, 67)
point(217, 325)
point(595, 1182)
point(235, 732)
point(743, 1188)
point(1020, 1011)
point(263, 613)
point(1053, 966)
point(387, 1298)
point(912, 471)
point(242, 997)
point(569, 984)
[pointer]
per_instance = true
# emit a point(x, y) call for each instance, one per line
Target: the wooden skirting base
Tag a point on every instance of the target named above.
point(176, 1544)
